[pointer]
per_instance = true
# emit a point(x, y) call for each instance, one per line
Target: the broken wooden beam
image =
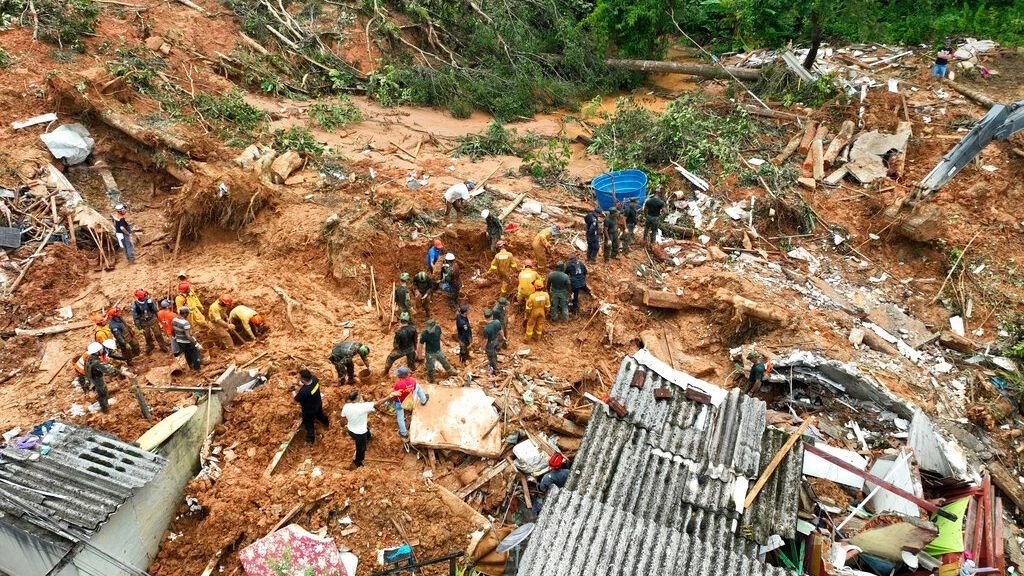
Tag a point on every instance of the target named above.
point(1007, 483)
point(958, 343)
point(809, 132)
point(701, 70)
point(660, 299)
point(50, 330)
point(839, 142)
point(280, 452)
point(483, 479)
point(788, 150)
point(974, 95)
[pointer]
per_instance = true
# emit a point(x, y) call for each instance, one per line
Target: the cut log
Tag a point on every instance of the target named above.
point(822, 132)
point(876, 343)
point(670, 300)
point(788, 151)
point(701, 70)
point(284, 165)
point(1007, 483)
point(839, 142)
point(809, 132)
point(956, 342)
point(746, 307)
point(817, 163)
point(978, 97)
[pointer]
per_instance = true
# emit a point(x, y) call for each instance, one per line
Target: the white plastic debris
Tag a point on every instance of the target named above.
point(956, 324)
point(70, 143)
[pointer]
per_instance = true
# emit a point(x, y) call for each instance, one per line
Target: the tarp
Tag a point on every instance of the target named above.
point(951, 534)
point(70, 142)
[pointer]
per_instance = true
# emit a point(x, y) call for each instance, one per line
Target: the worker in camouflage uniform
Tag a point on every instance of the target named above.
point(425, 285)
point(495, 337)
point(431, 351)
point(559, 285)
point(95, 368)
point(629, 213)
point(402, 299)
point(404, 344)
point(611, 234)
point(343, 357)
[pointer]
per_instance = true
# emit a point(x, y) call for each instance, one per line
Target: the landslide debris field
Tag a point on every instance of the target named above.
point(757, 260)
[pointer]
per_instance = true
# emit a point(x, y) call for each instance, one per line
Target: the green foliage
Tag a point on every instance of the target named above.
point(5, 59)
point(138, 67)
point(495, 140)
point(385, 85)
point(698, 137)
point(238, 121)
point(636, 27)
point(61, 22)
point(334, 116)
point(298, 139)
point(548, 162)
point(778, 83)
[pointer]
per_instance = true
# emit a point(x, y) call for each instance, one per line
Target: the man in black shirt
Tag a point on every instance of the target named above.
point(652, 209)
point(464, 332)
point(430, 340)
point(311, 403)
point(495, 336)
point(404, 344)
point(592, 222)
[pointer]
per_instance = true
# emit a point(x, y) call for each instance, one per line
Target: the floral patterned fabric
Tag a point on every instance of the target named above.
point(292, 551)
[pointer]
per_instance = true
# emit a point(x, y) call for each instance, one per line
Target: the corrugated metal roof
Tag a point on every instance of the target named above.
point(85, 477)
point(674, 469)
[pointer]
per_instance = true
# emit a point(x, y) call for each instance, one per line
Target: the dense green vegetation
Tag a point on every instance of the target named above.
point(61, 22)
point(737, 24)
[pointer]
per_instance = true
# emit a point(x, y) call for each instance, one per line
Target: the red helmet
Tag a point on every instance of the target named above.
point(438, 244)
point(184, 287)
point(114, 311)
point(226, 299)
point(140, 294)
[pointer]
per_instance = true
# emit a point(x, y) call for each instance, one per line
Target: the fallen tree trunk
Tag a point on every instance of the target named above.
point(741, 306)
point(65, 88)
point(52, 329)
point(769, 113)
point(746, 307)
point(701, 70)
point(978, 97)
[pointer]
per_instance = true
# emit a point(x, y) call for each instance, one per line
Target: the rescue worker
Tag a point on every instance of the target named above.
point(165, 317)
point(758, 372)
point(403, 387)
point(500, 313)
point(495, 338)
point(249, 321)
point(123, 232)
point(495, 229)
point(311, 404)
point(504, 264)
point(577, 272)
point(146, 318)
point(101, 332)
point(95, 367)
point(542, 244)
point(185, 340)
point(592, 223)
point(652, 212)
point(124, 336)
point(527, 276)
point(611, 234)
point(537, 307)
point(343, 357)
point(404, 344)
point(221, 327)
point(424, 285)
point(629, 214)
point(431, 351)
point(402, 299)
point(464, 332)
point(433, 255)
point(110, 351)
point(451, 280)
point(457, 197)
point(187, 297)
point(79, 365)
point(559, 284)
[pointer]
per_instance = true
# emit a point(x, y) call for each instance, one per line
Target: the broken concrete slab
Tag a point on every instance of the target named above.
point(869, 150)
point(896, 322)
point(836, 177)
point(462, 419)
point(935, 453)
point(890, 540)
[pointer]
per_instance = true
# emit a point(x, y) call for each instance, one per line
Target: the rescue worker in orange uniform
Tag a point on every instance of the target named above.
point(504, 264)
point(538, 305)
point(165, 316)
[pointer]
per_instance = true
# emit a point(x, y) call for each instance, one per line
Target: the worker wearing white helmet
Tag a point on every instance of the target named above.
point(123, 231)
point(95, 367)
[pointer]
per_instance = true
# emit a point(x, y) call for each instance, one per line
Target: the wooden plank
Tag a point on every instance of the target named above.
point(49, 330)
point(776, 460)
point(921, 502)
point(284, 519)
point(484, 478)
point(1007, 484)
point(511, 206)
point(979, 518)
point(999, 558)
point(809, 132)
point(659, 299)
point(280, 452)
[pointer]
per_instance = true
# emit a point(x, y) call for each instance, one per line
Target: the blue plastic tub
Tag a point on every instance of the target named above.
point(627, 184)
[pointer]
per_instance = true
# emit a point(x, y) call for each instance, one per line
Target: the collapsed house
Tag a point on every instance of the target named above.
point(661, 489)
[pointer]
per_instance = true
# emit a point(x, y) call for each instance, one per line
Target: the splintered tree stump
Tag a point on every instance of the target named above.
point(746, 307)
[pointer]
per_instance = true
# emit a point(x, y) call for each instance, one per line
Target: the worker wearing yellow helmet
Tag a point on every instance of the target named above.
point(538, 305)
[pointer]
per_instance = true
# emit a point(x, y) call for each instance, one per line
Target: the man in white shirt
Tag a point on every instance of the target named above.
point(357, 414)
point(457, 196)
